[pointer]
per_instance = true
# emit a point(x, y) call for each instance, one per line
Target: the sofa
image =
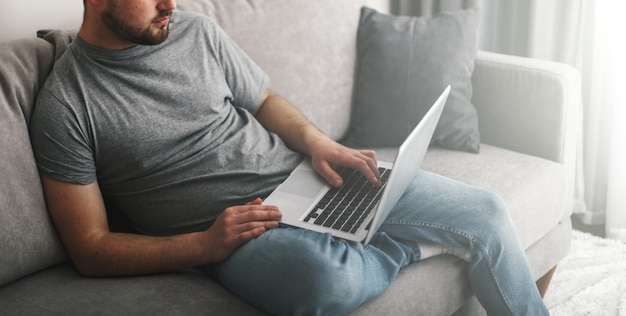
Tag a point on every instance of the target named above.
point(528, 118)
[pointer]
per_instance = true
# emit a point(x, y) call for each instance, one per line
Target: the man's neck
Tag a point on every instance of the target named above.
point(103, 38)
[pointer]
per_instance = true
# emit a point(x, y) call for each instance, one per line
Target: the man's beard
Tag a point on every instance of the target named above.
point(135, 33)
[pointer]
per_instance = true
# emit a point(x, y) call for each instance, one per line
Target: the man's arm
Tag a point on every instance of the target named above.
point(279, 116)
point(80, 218)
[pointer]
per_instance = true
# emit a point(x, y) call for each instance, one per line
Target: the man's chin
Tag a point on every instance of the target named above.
point(152, 38)
point(160, 39)
point(161, 34)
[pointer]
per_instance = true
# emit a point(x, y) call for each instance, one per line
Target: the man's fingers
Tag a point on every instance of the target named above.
point(328, 173)
point(256, 201)
point(271, 213)
point(249, 230)
point(368, 166)
point(241, 224)
point(239, 239)
point(251, 207)
point(250, 214)
point(364, 163)
point(369, 153)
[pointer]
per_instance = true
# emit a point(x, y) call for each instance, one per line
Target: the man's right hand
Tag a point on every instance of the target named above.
point(237, 225)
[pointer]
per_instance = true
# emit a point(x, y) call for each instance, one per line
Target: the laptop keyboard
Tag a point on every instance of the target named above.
point(347, 207)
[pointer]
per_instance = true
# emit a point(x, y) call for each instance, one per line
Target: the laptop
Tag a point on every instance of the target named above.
point(356, 210)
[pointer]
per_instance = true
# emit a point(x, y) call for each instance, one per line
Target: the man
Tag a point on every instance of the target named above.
point(175, 127)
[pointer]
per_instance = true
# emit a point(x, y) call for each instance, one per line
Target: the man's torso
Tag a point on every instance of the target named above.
point(165, 130)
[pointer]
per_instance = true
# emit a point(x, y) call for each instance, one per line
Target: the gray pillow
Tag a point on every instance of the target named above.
point(404, 64)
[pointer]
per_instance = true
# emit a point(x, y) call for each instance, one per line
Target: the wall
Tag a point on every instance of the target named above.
point(380, 5)
point(22, 18)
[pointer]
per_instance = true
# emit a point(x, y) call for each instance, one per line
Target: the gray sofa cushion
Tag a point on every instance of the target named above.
point(404, 65)
point(513, 176)
point(60, 290)
point(28, 241)
point(295, 34)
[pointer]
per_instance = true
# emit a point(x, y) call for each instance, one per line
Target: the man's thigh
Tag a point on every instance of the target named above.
point(297, 271)
point(437, 209)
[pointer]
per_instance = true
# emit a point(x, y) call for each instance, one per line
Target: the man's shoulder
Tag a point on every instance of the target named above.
point(193, 19)
point(194, 28)
point(57, 79)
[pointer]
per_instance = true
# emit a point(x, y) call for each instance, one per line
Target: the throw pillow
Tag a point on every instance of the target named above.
point(404, 64)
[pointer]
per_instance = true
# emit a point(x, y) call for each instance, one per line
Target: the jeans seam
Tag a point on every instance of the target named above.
point(463, 234)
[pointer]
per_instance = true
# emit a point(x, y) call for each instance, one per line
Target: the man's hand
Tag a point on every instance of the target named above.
point(279, 116)
point(237, 225)
point(327, 155)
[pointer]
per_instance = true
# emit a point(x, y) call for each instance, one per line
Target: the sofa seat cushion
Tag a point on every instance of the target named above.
point(532, 188)
point(61, 290)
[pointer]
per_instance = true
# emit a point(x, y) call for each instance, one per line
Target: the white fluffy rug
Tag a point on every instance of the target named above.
point(591, 280)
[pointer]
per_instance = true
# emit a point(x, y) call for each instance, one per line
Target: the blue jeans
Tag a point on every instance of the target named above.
point(290, 271)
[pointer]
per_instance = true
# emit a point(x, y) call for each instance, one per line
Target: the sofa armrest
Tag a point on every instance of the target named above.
point(528, 105)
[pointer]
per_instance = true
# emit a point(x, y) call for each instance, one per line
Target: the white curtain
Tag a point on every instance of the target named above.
point(605, 95)
point(587, 34)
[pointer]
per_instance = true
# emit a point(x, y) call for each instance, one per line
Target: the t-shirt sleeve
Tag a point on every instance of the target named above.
point(247, 81)
point(60, 141)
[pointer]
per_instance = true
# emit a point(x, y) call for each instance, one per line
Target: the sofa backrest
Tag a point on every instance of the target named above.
point(28, 241)
point(307, 47)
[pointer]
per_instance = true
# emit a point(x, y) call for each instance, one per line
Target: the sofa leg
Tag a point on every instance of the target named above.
point(544, 281)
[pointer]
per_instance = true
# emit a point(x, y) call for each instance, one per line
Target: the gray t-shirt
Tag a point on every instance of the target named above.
point(166, 130)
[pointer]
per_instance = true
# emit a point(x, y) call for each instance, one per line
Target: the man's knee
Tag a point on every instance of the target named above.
point(494, 202)
point(496, 229)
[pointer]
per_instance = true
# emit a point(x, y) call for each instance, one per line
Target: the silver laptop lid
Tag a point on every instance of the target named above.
point(407, 162)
